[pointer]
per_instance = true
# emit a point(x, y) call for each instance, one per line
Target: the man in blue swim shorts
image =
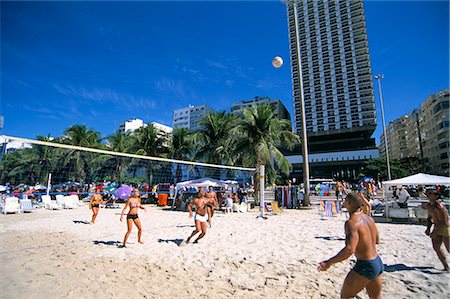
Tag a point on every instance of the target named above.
point(361, 239)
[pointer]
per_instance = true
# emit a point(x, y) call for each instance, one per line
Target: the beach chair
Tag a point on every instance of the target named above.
point(26, 206)
point(60, 200)
point(325, 209)
point(276, 209)
point(75, 201)
point(49, 203)
point(268, 207)
point(11, 205)
point(68, 202)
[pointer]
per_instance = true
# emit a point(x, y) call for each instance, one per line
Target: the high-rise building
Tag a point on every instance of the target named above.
point(279, 109)
point(425, 135)
point(397, 133)
point(337, 85)
point(190, 116)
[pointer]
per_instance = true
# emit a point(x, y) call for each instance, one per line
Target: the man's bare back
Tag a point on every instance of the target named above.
point(364, 227)
point(361, 237)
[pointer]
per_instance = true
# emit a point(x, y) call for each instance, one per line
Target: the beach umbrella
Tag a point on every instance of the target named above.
point(324, 187)
point(366, 179)
point(110, 189)
point(123, 192)
point(40, 187)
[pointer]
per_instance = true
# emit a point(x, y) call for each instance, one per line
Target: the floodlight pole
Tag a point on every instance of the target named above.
point(379, 77)
point(305, 154)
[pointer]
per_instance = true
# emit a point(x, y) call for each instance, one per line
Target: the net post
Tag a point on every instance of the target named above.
point(261, 190)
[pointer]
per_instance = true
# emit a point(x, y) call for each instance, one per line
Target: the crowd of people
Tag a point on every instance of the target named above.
point(360, 229)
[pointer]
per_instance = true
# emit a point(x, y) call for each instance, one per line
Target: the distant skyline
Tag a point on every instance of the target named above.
point(101, 63)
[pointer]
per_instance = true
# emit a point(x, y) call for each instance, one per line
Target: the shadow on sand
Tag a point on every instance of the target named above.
point(176, 241)
point(330, 238)
point(186, 225)
point(403, 267)
point(110, 243)
point(81, 222)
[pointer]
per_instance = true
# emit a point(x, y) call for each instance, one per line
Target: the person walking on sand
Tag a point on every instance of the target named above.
point(361, 239)
point(213, 203)
point(134, 204)
point(94, 205)
point(438, 215)
point(201, 215)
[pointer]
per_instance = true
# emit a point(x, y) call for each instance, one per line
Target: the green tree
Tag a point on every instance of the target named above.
point(149, 143)
point(213, 142)
point(181, 148)
point(80, 135)
point(117, 142)
point(257, 138)
point(377, 168)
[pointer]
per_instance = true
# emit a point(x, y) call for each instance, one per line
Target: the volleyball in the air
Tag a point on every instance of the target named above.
point(277, 62)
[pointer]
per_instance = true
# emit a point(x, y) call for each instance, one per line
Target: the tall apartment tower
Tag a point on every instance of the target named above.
point(423, 134)
point(338, 91)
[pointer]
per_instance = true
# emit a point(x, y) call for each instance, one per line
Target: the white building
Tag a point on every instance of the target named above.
point(130, 125)
point(12, 146)
point(189, 117)
point(162, 129)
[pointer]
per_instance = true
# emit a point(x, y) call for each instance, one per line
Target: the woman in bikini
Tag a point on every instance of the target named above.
point(94, 205)
point(134, 203)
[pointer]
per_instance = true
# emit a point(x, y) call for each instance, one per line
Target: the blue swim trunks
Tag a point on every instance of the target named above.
point(369, 269)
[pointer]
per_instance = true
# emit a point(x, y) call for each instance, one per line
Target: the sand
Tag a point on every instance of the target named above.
point(54, 254)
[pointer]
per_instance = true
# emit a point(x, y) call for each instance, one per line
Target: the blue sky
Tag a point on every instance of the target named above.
point(100, 63)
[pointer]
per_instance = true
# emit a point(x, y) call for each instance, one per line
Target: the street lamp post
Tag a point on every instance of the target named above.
point(305, 154)
point(379, 77)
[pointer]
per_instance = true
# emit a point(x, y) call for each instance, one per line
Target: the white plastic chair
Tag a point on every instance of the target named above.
point(60, 200)
point(76, 201)
point(11, 205)
point(26, 206)
point(49, 203)
point(68, 202)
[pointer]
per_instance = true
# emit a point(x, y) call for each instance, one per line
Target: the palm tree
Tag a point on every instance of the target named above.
point(181, 148)
point(149, 143)
point(213, 143)
point(257, 137)
point(118, 142)
point(47, 157)
point(31, 165)
point(80, 135)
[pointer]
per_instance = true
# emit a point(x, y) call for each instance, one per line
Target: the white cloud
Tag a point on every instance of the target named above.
point(110, 96)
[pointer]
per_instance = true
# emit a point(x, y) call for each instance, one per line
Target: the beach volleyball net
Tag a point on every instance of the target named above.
point(65, 168)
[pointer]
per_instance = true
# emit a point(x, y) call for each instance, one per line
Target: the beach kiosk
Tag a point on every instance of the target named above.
point(417, 212)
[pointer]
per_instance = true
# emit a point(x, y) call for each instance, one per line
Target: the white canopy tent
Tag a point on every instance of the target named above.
point(202, 182)
point(419, 179)
point(416, 179)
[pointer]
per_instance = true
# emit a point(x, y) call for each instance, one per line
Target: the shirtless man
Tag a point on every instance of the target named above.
point(438, 215)
point(201, 215)
point(212, 204)
point(361, 239)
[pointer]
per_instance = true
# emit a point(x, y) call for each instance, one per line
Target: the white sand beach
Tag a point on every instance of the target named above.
point(54, 254)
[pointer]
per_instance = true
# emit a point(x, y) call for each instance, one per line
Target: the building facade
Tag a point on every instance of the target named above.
point(426, 134)
point(190, 116)
point(279, 109)
point(130, 125)
point(397, 134)
point(337, 81)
